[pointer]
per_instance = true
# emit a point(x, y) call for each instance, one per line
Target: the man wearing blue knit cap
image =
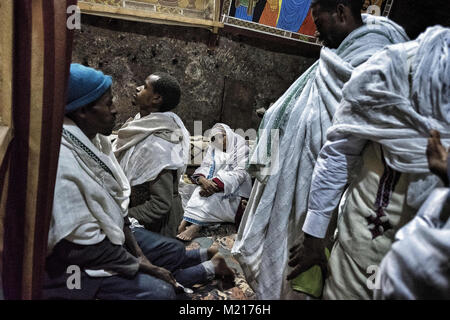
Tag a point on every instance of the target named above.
point(92, 252)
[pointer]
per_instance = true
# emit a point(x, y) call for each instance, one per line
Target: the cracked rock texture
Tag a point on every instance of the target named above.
point(224, 78)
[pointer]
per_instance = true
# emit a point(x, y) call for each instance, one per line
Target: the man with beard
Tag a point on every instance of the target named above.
point(90, 232)
point(377, 145)
point(153, 150)
point(273, 217)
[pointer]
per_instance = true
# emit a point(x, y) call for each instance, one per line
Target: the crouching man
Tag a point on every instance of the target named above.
point(90, 231)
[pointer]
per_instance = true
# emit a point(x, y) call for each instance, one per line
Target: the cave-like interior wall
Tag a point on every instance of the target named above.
point(226, 81)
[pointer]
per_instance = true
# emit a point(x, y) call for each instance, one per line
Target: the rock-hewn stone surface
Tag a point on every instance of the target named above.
point(226, 82)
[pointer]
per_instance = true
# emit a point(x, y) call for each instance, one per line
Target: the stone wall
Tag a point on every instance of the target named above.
point(224, 82)
point(224, 78)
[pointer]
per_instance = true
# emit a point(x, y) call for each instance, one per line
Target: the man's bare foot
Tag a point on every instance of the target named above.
point(220, 266)
point(212, 251)
point(182, 226)
point(190, 233)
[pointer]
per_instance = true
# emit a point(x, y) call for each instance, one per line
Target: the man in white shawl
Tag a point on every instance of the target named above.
point(418, 264)
point(379, 138)
point(94, 250)
point(273, 217)
point(223, 183)
point(153, 150)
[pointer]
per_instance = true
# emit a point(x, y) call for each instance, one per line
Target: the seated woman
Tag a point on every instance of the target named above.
point(224, 184)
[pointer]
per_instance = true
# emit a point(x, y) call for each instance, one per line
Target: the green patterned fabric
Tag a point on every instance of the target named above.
point(311, 281)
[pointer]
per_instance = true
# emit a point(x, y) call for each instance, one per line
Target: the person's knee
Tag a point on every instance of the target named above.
point(167, 292)
point(156, 289)
point(172, 244)
point(179, 248)
point(176, 251)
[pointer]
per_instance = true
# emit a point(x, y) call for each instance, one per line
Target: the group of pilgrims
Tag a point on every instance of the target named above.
point(361, 139)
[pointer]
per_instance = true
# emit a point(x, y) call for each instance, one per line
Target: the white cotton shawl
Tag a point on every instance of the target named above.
point(229, 165)
point(146, 146)
point(395, 99)
point(89, 183)
point(303, 115)
point(324, 80)
point(417, 266)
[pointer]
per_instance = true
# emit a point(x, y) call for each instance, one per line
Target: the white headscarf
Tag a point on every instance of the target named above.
point(228, 165)
point(235, 144)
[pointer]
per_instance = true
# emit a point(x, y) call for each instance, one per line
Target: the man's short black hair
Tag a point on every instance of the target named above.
point(170, 90)
point(330, 5)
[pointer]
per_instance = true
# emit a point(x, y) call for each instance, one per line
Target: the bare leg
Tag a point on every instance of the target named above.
point(223, 272)
point(212, 251)
point(221, 267)
point(190, 233)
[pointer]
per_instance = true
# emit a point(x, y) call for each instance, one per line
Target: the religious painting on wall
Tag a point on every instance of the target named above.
point(285, 18)
point(201, 13)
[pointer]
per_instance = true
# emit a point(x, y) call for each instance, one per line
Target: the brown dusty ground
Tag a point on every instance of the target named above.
point(223, 236)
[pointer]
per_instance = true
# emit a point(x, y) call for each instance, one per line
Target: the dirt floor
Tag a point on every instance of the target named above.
point(222, 235)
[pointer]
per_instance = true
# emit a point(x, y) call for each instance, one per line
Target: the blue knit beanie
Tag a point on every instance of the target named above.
point(85, 86)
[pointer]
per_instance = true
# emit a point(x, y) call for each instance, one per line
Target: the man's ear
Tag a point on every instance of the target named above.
point(342, 12)
point(81, 113)
point(157, 99)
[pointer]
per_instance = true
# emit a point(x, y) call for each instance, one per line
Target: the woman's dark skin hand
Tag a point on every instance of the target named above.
point(206, 194)
point(208, 187)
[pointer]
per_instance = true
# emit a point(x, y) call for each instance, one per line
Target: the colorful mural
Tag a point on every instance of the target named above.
point(282, 14)
point(285, 18)
point(203, 13)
